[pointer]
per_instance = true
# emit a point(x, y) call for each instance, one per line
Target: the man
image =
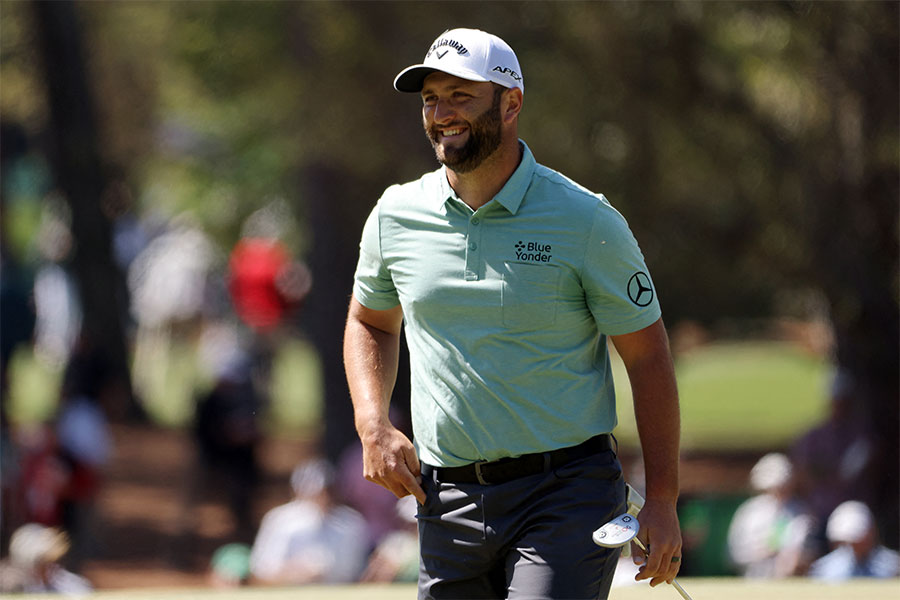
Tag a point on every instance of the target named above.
point(838, 459)
point(313, 538)
point(857, 553)
point(769, 534)
point(510, 279)
point(34, 567)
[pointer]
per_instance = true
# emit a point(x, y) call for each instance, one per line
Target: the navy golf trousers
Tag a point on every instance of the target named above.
point(525, 538)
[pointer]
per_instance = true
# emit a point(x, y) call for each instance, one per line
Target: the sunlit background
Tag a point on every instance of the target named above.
point(184, 185)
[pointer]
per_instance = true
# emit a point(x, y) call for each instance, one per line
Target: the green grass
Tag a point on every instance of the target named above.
point(748, 395)
point(168, 380)
point(33, 388)
point(297, 388)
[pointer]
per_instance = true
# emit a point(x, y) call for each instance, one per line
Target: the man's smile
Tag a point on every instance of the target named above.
point(453, 132)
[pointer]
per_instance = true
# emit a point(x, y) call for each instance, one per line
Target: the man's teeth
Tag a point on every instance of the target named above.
point(451, 132)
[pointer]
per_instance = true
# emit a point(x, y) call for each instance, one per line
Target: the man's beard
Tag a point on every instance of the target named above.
point(485, 135)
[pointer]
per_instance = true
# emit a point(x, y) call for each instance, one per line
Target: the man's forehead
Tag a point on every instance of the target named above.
point(445, 81)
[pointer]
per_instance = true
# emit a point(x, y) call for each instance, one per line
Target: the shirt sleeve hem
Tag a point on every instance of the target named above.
point(640, 322)
point(373, 300)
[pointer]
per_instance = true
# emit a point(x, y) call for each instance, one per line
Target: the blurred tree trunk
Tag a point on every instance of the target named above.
point(337, 222)
point(853, 192)
point(341, 186)
point(78, 167)
point(332, 261)
point(849, 181)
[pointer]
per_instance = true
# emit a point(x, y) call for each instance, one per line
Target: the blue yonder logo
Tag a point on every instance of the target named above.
point(533, 252)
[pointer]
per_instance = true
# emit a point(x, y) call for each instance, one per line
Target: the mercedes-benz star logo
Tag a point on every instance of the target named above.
point(640, 290)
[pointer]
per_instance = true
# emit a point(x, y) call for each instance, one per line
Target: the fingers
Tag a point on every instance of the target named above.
point(406, 477)
point(638, 556)
point(657, 565)
point(400, 482)
point(414, 487)
point(391, 462)
point(658, 568)
point(661, 537)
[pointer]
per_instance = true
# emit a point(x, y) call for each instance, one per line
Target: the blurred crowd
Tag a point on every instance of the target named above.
point(235, 307)
point(811, 513)
point(326, 533)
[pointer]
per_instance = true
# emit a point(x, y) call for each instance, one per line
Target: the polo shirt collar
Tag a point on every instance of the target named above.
point(512, 193)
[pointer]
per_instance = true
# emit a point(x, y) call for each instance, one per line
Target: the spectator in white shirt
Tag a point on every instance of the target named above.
point(311, 539)
point(33, 566)
point(851, 528)
point(769, 533)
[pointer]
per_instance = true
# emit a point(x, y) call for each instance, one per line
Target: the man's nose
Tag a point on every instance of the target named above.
point(443, 112)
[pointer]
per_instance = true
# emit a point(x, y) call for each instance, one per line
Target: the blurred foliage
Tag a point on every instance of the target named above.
point(752, 146)
point(700, 121)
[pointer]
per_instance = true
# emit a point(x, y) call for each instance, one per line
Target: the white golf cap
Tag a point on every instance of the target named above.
point(311, 477)
point(771, 471)
point(467, 53)
point(33, 544)
point(849, 522)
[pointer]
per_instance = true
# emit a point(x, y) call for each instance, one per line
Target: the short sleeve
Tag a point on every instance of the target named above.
point(373, 286)
point(617, 283)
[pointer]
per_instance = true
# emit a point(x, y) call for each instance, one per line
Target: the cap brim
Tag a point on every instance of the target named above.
point(411, 79)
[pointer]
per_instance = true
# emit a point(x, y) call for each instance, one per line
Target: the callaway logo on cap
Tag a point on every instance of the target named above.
point(468, 53)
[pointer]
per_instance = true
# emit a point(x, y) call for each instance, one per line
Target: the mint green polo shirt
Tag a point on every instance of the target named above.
point(507, 309)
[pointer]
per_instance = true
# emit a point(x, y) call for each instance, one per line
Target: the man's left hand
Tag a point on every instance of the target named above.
point(661, 534)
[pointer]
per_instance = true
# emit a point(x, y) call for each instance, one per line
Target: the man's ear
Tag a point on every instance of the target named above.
point(513, 99)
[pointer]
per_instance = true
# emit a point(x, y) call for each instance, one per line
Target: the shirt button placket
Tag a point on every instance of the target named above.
point(473, 256)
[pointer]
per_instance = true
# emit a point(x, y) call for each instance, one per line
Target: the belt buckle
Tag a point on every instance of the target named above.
point(479, 475)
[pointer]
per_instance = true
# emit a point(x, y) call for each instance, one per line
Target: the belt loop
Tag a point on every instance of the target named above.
point(548, 463)
point(478, 474)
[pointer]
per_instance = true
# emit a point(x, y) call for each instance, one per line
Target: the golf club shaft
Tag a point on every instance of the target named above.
point(680, 589)
point(675, 583)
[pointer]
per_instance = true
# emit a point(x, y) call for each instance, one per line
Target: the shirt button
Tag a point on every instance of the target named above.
point(473, 246)
point(475, 220)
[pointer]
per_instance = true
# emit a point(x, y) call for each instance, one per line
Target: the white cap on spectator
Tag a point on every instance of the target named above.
point(771, 471)
point(311, 477)
point(850, 522)
point(33, 544)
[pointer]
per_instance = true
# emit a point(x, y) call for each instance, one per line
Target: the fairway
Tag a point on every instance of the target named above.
point(745, 395)
point(698, 588)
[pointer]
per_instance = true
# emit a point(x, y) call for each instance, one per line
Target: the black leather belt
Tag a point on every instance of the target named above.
point(507, 469)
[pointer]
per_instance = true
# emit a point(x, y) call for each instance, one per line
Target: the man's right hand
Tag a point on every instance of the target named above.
point(389, 459)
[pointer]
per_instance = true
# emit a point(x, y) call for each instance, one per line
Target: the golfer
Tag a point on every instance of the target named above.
point(511, 279)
